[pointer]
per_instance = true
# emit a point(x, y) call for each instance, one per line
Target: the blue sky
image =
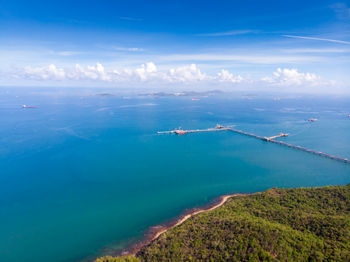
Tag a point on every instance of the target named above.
point(292, 45)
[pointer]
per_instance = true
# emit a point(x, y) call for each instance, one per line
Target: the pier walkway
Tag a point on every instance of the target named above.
point(183, 132)
point(267, 139)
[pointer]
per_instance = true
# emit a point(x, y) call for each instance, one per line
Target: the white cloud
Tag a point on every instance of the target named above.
point(50, 72)
point(316, 50)
point(129, 49)
point(342, 10)
point(146, 71)
point(290, 77)
point(246, 58)
point(187, 73)
point(149, 73)
point(318, 39)
point(67, 53)
point(90, 72)
point(226, 76)
point(229, 33)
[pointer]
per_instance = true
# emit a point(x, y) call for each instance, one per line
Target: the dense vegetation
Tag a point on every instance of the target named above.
point(118, 259)
point(305, 224)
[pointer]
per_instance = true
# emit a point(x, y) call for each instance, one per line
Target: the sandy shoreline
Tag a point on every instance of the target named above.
point(157, 231)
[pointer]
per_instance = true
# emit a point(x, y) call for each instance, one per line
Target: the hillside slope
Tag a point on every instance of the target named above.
point(304, 224)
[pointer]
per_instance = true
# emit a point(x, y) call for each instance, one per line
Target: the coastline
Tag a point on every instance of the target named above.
point(155, 232)
point(145, 249)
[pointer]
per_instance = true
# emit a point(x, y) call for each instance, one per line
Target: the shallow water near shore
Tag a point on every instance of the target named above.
point(83, 175)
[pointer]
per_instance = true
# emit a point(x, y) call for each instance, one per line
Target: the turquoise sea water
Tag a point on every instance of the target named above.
point(81, 175)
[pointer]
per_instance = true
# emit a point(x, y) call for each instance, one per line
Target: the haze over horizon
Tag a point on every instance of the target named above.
point(299, 46)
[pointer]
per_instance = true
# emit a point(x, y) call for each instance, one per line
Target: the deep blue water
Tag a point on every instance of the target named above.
point(83, 173)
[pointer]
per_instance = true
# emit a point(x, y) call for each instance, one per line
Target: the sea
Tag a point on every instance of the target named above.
point(84, 173)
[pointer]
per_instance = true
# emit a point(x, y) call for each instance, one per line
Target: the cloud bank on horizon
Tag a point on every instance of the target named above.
point(235, 45)
point(148, 73)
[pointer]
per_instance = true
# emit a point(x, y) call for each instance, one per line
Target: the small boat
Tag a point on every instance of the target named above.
point(312, 119)
point(180, 132)
point(25, 106)
point(218, 126)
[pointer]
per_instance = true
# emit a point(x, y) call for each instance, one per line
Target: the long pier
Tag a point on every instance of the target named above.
point(267, 139)
point(183, 132)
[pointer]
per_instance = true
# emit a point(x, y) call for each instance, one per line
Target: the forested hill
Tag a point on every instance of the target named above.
point(303, 224)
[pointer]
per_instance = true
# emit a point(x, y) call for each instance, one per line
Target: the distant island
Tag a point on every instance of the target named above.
point(183, 93)
point(104, 94)
point(303, 224)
